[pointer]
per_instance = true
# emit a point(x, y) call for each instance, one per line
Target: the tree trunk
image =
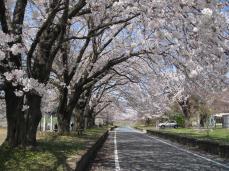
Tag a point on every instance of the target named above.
point(33, 118)
point(86, 115)
point(63, 122)
point(89, 114)
point(186, 113)
point(78, 118)
point(22, 126)
point(185, 107)
point(16, 130)
point(85, 122)
point(63, 116)
point(91, 121)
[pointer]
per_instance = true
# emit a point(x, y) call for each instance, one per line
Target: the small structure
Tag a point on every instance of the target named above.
point(226, 121)
point(98, 121)
point(222, 118)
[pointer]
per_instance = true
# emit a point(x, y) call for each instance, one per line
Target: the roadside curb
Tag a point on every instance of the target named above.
point(83, 164)
point(140, 129)
point(113, 127)
point(209, 146)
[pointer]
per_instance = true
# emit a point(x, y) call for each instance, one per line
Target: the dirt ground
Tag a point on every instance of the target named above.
point(2, 135)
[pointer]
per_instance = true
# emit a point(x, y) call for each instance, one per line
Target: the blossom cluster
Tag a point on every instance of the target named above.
point(22, 83)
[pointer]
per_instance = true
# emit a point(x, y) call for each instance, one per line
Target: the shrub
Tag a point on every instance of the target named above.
point(179, 118)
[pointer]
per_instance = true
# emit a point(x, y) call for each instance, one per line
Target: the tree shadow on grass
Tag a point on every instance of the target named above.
point(61, 151)
point(50, 155)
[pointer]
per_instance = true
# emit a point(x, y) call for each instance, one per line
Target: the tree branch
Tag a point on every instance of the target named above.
point(3, 19)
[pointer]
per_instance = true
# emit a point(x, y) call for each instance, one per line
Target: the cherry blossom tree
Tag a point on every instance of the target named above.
point(75, 44)
point(27, 59)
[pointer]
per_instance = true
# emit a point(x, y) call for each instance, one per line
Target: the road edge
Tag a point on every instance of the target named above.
point(83, 164)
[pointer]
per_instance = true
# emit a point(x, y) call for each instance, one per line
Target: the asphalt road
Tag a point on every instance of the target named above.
point(128, 150)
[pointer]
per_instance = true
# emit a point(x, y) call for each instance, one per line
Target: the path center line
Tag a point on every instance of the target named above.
point(117, 166)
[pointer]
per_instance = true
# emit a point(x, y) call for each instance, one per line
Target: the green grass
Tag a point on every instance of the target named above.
point(52, 153)
point(219, 134)
point(142, 126)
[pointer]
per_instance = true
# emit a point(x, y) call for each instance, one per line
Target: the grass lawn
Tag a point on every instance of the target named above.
point(219, 134)
point(142, 126)
point(53, 153)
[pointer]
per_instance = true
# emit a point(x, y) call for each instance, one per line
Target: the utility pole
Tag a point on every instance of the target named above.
point(51, 124)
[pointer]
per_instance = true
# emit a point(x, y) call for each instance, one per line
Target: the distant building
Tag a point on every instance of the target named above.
point(220, 115)
point(99, 121)
point(219, 118)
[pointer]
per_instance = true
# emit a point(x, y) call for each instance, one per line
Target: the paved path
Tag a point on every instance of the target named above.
point(128, 150)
